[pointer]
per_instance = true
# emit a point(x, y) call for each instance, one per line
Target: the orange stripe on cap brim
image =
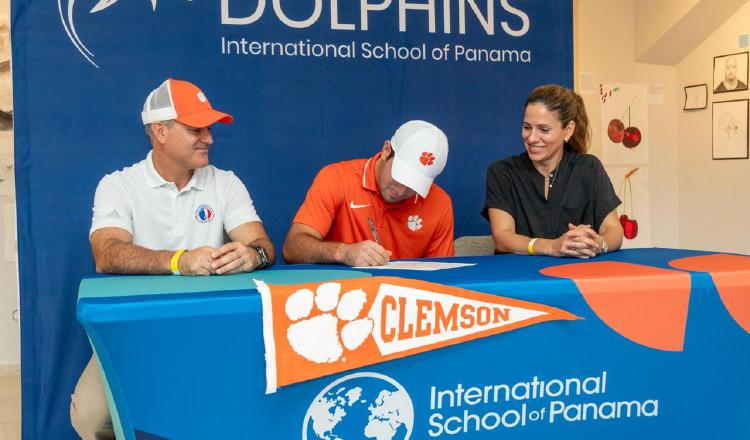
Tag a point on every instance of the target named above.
point(205, 118)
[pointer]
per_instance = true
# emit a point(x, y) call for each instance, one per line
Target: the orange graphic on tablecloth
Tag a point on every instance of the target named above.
point(312, 330)
point(645, 304)
point(731, 276)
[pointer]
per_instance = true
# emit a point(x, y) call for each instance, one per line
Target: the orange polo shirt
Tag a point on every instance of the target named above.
point(345, 195)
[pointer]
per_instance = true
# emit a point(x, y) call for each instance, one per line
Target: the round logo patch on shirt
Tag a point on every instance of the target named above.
point(204, 214)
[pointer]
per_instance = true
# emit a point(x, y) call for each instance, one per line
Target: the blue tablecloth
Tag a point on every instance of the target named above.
point(184, 359)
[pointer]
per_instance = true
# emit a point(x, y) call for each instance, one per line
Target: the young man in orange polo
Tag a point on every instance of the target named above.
point(365, 212)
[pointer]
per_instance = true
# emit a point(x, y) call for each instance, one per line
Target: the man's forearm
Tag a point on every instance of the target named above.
point(304, 248)
point(119, 257)
point(266, 244)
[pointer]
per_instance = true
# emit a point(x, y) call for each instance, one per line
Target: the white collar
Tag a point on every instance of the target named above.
point(155, 180)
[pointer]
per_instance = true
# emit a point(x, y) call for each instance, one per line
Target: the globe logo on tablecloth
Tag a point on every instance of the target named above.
point(360, 405)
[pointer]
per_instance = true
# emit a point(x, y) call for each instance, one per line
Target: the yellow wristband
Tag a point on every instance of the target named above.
point(531, 246)
point(174, 262)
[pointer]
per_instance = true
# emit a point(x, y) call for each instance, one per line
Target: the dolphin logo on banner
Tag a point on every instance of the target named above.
point(66, 17)
point(312, 330)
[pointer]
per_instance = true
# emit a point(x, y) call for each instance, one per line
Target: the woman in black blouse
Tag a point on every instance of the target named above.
point(554, 199)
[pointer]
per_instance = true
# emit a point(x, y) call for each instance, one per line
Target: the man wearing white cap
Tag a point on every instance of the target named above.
point(364, 212)
point(169, 213)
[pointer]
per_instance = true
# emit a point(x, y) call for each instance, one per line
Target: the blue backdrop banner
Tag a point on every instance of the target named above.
point(309, 82)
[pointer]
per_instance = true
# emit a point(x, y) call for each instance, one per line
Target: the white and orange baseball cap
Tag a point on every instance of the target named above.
point(182, 101)
point(421, 151)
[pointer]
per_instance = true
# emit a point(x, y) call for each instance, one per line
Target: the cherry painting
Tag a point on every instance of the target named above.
point(624, 116)
point(629, 223)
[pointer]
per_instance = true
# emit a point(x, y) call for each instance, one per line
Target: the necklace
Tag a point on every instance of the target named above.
point(554, 173)
point(552, 176)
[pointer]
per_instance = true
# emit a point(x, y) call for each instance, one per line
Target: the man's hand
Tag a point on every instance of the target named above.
point(197, 261)
point(114, 252)
point(234, 257)
point(364, 253)
point(580, 241)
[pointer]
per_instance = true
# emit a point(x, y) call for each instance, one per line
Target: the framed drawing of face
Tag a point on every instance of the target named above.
point(730, 129)
point(730, 72)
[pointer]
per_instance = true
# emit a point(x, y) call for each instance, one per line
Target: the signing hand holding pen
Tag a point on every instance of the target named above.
point(364, 253)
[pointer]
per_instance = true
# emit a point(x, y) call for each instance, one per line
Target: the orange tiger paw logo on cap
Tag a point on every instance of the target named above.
point(427, 158)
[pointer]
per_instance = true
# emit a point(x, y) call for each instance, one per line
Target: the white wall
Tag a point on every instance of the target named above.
point(605, 36)
point(696, 202)
point(714, 207)
point(9, 330)
point(655, 18)
point(666, 31)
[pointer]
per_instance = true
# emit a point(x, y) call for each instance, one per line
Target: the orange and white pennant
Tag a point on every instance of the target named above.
point(312, 330)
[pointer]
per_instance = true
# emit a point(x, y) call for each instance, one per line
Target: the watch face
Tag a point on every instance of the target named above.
point(262, 255)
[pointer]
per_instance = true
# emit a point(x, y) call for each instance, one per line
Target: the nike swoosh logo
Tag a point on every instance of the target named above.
point(355, 206)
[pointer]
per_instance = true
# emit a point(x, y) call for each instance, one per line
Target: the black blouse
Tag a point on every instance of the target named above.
point(581, 193)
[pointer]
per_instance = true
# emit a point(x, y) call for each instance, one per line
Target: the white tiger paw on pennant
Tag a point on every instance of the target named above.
point(326, 322)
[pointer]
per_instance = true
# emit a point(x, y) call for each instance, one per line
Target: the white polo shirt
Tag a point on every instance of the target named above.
point(160, 217)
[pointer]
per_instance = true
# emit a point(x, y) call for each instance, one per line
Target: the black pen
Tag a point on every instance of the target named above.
point(374, 231)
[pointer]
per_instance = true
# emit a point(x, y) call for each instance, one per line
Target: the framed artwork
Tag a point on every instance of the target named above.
point(696, 97)
point(730, 72)
point(730, 129)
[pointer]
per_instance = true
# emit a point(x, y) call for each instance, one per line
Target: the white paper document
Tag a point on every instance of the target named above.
point(417, 265)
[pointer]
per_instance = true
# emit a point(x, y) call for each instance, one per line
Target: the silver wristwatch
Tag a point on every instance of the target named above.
point(262, 256)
